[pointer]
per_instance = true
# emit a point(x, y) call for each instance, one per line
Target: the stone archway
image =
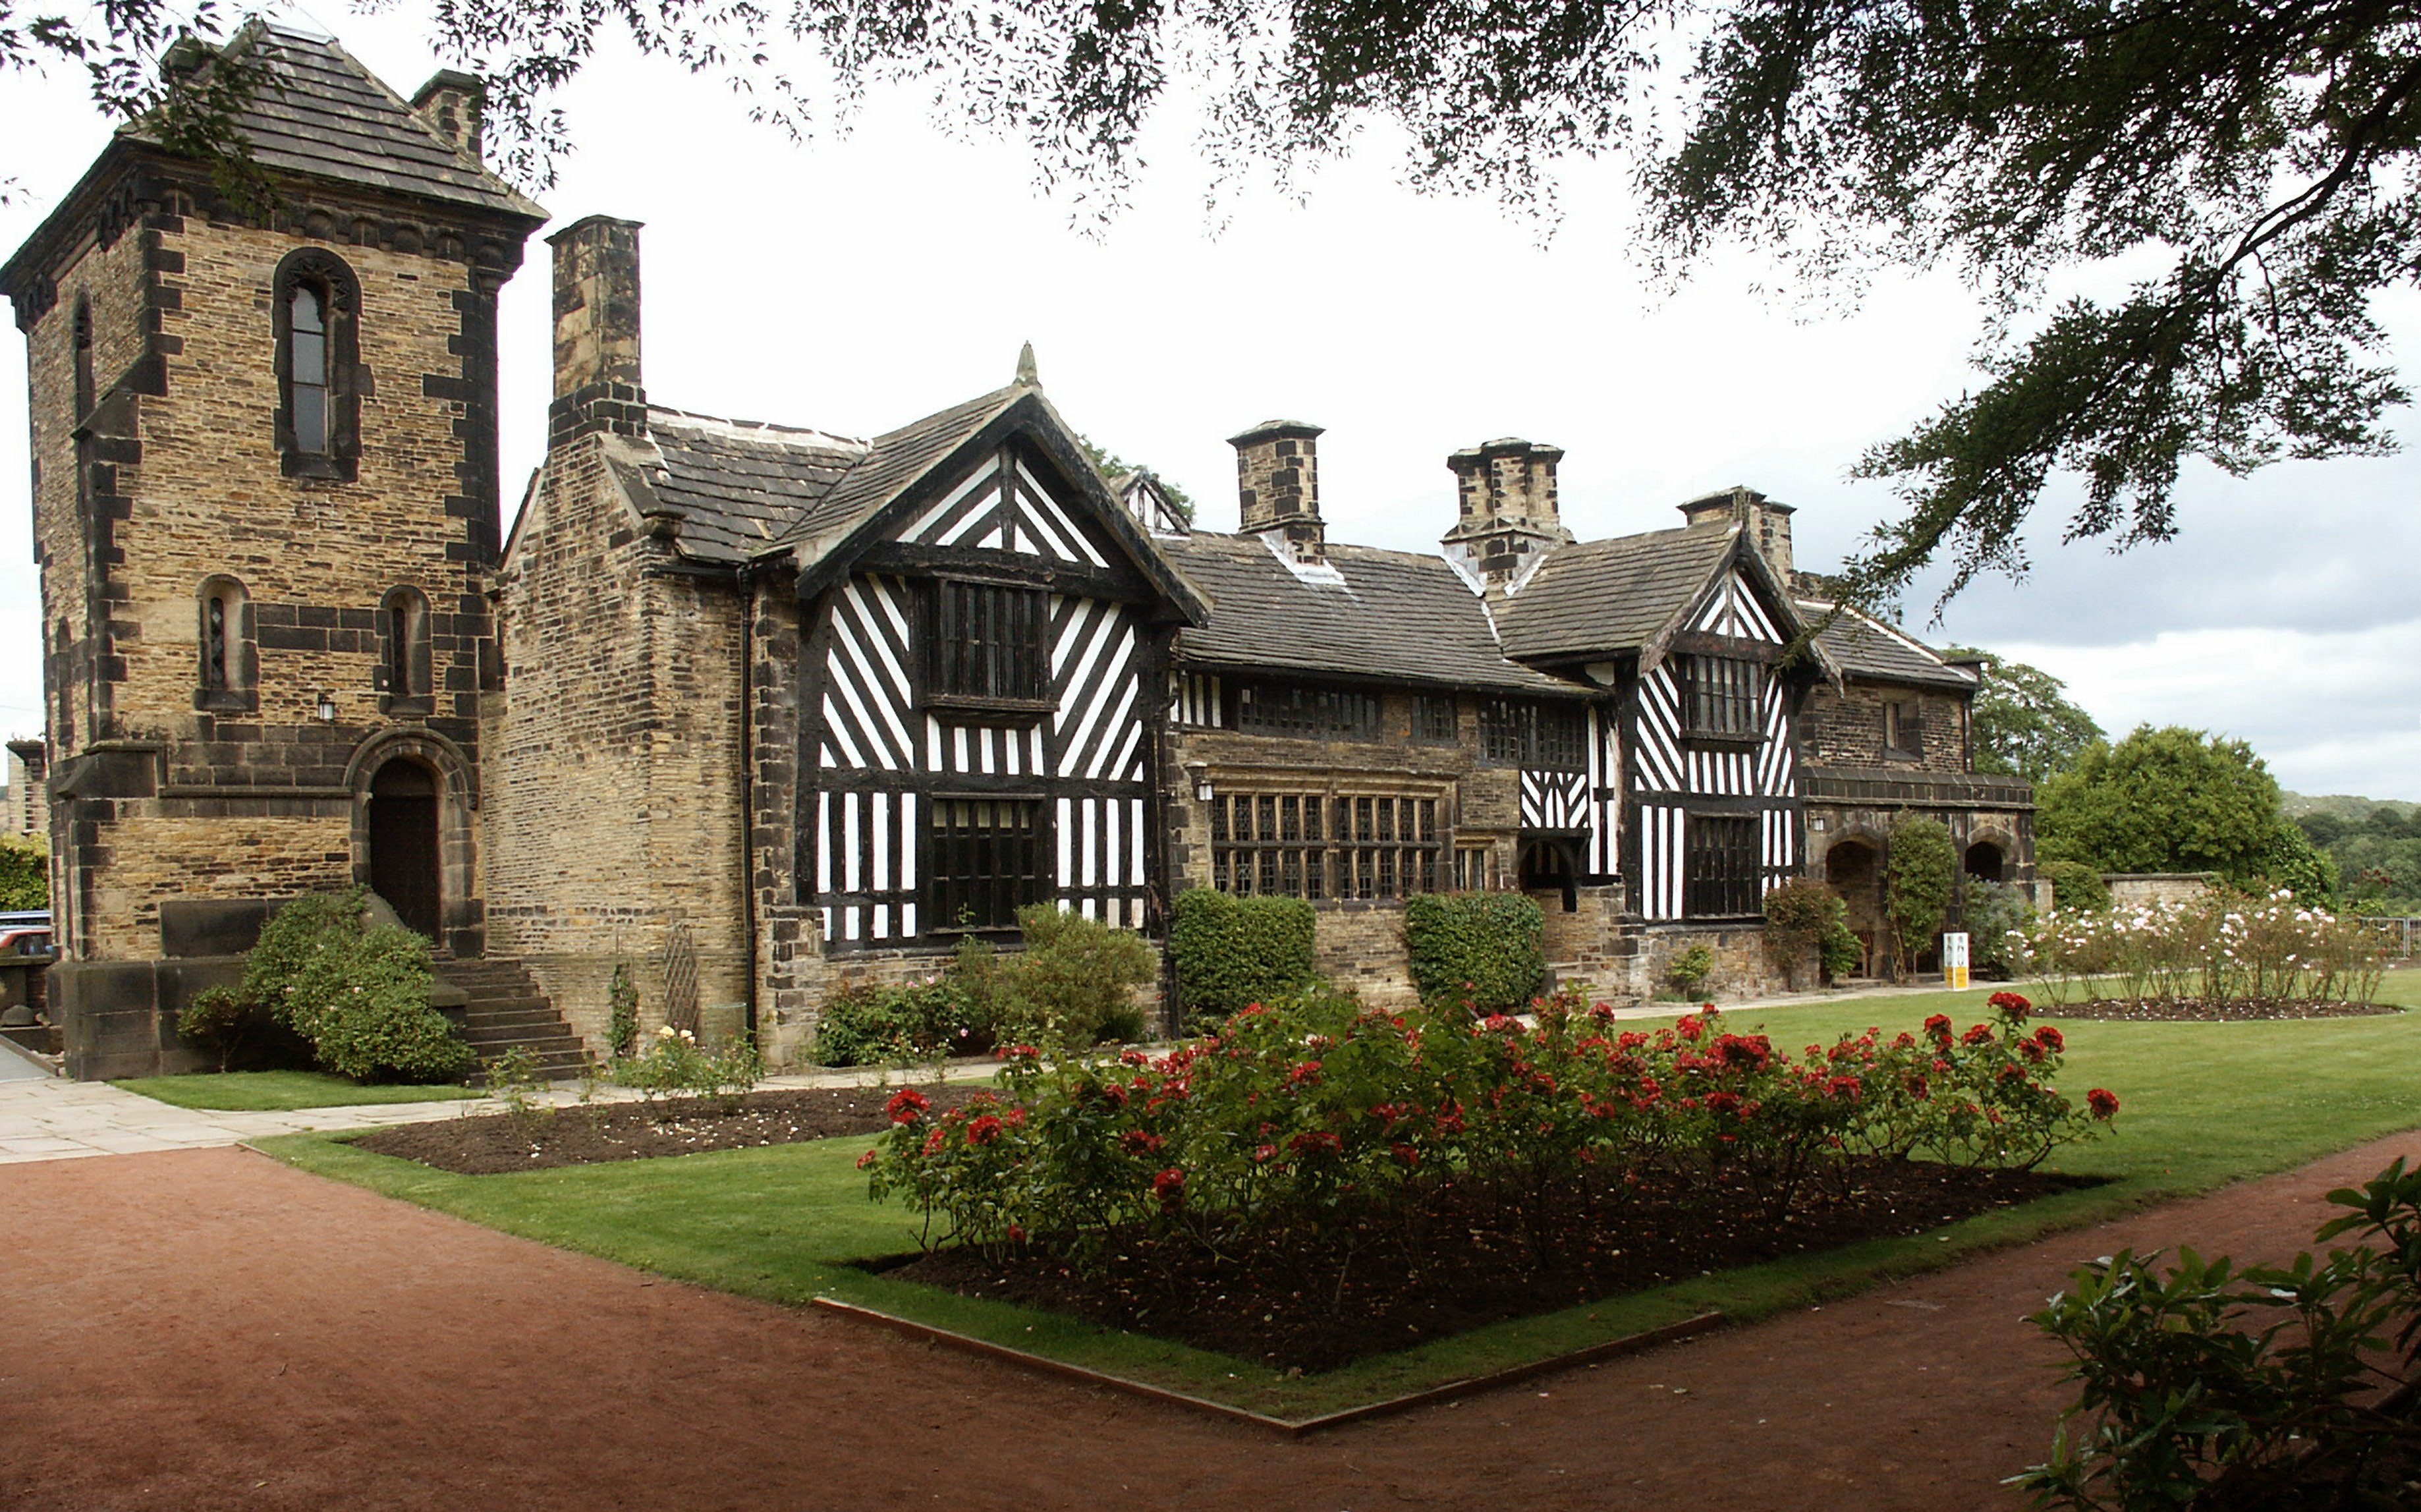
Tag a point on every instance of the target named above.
point(414, 801)
point(1853, 870)
point(406, 865)
point(1550, 865)
point(1984, 861)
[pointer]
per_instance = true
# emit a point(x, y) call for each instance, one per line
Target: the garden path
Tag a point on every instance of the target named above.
point(210, 1329)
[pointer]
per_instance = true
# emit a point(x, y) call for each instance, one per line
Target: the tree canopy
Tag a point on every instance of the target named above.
point(2255, 157)
point(2176, 799)
point(2024, 723)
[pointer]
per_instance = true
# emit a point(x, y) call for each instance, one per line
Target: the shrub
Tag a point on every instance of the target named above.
point(1688, 972)
point(1919, 876)
point(2075, 885)
point(359, 997)
point(1996, 916)
point(1482, 949)
point(1233, 952)
point(2222, 947)
point(673, 1063)
point(622, 1016)
point(2207, 1386)
point(874, 1024)
point(24, 873)
point(1842, 952)
point(1802, 915)
point(1074, 984)
point(219, 1019)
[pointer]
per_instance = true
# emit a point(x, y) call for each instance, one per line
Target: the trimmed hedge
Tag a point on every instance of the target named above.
point(1233, 952)
point(2075, 885)
point(1481, 947)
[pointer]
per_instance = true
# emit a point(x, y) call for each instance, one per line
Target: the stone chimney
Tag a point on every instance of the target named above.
point(1768, 522)
point(453, 105)
point(1508, 518)
point(597, 385)
point(1277, 487)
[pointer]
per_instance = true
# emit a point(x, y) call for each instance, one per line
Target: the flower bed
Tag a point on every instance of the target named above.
point(2224, 950)
point(1306, 1139)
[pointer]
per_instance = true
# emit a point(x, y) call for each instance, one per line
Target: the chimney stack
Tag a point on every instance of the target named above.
point(1768, 523)
point(1508, 518)
point(453, 105)
point(1277, 487)
point(597, 385)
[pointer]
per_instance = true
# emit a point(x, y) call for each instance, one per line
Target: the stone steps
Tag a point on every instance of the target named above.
point(504, 1011)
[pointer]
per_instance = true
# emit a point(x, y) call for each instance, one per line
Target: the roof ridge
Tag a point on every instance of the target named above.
point(733, 423)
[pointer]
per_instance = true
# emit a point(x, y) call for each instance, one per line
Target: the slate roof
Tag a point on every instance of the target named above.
point(742, 485)
point(1395, 615)
point(892, 462)
point(319, 112)
point(1863, 646)
point(1611, 595)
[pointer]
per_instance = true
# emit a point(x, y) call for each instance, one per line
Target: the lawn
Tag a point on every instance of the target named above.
point(2203, 1104)
point(279, 1091)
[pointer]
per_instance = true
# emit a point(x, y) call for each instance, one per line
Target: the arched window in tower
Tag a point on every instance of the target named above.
point(405, 664)
point(307, 363)
point(84, 390)
point(320, 377)
point(223, 681)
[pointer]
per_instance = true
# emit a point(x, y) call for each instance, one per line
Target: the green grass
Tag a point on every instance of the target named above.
point(279, 1091)
point(2203, 1104)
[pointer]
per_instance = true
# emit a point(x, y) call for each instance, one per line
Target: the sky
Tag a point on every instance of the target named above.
point(854, 283)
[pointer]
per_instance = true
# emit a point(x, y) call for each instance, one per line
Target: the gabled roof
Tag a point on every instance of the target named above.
point(1391, 616)
point(1612, 596)
point(743, 486)
point(1864, 646)
point(885, 468)
point(319, 113)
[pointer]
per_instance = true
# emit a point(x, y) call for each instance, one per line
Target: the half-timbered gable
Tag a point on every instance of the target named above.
point(1694, 630)
point(987, 634)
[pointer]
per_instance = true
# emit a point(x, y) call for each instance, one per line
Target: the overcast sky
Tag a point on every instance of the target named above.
point(858, 283)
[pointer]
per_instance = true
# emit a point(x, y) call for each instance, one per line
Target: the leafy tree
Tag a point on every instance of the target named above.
point(2174, 799)
point(1920, 876)
point(24, 873)
point(2257, 155)
point(2025, 724)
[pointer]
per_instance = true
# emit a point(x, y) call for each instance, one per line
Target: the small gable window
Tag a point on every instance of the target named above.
point(320, 381)
point(1903, 730)
point(990, 646)
point(1719, 696)
point(224, 678)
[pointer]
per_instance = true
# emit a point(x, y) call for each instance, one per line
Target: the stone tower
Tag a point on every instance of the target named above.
point(265, 512)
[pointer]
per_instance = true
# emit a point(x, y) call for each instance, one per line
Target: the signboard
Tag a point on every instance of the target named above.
point(1954, 960)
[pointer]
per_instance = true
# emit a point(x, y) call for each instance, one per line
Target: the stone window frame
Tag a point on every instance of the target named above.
point(1437, 719)
point(1903, 721)
point(88, 389)
point(226, 676)
point(340, 296)
point(406, 672)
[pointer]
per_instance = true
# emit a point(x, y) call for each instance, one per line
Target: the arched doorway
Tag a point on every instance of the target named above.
point(404, 857)
point(1546, 867)
point(1986, 862)
point(1853, 870)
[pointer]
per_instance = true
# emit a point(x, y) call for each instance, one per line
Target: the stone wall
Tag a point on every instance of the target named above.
point(614, 792)
point(1844, 727)
point(2158, 889)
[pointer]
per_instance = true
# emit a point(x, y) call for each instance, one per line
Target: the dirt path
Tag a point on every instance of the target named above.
point(209, 1329)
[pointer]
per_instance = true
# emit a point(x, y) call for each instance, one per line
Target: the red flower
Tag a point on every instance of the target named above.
point(984, 1131)
point(934, 1141)
point(1845, 1086)
point(865, 1160)
point(1306, 1072)
point(1938, 1027)
point(1977, 1035)
point(1265, 1153)
point(2011, 1006)
point(1017, 1233)
point(2051, 1038)
point(1411, 1157)
point(2103, 1103)
point(1169, 1187)
point(1139, 1142)
point(1317, 1142)
point(907, 1105)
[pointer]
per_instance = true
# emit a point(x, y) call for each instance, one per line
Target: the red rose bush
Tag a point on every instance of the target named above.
point(1303, 1123)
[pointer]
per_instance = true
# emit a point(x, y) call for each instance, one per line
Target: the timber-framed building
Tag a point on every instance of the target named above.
point(750, 710)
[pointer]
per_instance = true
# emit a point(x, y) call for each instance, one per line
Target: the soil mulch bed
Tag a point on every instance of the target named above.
point(2203, 1010)
point(490, 1144)
point(1313, 1312)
